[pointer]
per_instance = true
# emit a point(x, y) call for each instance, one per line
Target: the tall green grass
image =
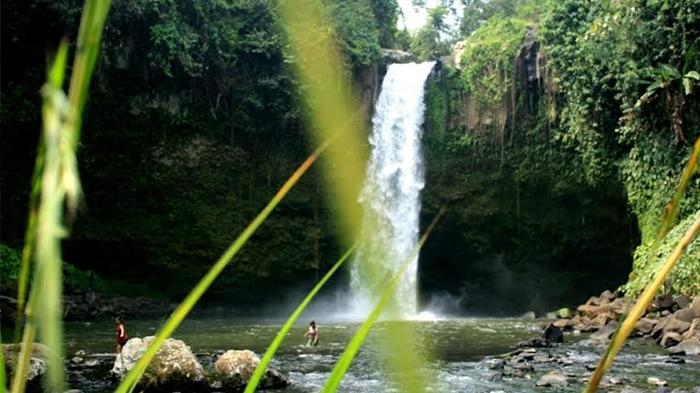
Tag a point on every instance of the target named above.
point(645, 299)
point(55, 186)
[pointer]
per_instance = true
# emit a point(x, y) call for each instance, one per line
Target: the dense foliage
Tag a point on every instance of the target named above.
point(192, 123)
point(607, 98)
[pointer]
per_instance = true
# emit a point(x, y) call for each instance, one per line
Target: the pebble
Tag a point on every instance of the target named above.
point(656, 381)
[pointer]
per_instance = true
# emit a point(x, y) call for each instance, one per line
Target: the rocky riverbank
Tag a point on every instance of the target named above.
point(671, 321)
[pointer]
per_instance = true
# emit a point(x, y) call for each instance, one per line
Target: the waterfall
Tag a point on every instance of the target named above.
point(390, 196)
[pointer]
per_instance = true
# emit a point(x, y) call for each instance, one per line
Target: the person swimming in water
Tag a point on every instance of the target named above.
point(122, 338)
point(312, 334)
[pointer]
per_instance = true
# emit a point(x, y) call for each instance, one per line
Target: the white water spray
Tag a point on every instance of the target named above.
point(391, 193)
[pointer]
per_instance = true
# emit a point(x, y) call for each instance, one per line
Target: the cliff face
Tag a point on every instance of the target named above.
point(516, 235)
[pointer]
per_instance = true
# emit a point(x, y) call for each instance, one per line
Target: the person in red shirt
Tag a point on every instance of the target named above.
point(121, 334)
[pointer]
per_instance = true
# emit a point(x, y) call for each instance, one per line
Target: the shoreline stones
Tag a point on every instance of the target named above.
point(175, 368)
point(673, 322)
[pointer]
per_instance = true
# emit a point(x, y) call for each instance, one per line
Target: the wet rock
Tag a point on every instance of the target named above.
point(524, 367)
point(606, 332)
point(656, 381)
point(662, 302)
point(174, 368)
point(645, 325)
point(693, 330)
point(686, 347)
point(76, 360)
point(685, 315)
point(234, 369)
point(695, 306)
point(681, 301)
point(534, 343)
point(80, 353)
point(630, 389)
point(670, 339)
point(529, 315)
point(37, 364)
point(91, 363)
point(495, 364)
point(553, 334)
point(675, 360)
point(553, 378)
point(663, 389)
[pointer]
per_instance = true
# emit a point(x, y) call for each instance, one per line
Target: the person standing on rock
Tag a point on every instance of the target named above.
point(122, 338)
point(312, 334)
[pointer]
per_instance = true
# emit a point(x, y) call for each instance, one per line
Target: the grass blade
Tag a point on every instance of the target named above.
point(262, 366)
point(134, 375)
point(358, 339)
point(55, 184)
point(670, 215)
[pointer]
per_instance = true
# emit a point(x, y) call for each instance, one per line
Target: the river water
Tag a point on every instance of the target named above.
point(460, 352)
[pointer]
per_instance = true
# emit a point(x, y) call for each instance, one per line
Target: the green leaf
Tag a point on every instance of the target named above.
point(693, 75)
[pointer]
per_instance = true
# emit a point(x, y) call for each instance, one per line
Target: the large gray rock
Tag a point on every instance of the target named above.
point(554, 378)
point(397, 56)
point(233, 369)
point(687, 347)
point(37, 364)
point(174, 368)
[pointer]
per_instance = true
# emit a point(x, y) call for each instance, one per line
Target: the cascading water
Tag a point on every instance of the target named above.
point(390, 196)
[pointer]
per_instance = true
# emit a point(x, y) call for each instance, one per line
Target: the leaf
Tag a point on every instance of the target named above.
point(693, 75)
point(687, 86)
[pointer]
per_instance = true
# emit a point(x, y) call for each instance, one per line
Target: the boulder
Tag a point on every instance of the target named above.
point(606, 332)
point(233, 369)
point(553, 334)
point(397, 56)
point(174, 368)
point(684, 315)
point(670, 339)
point(686, 347)
point(681, 301)
point(553, 378)
point(662, 302)
point(695, 306)
point(37, 364)
point(676, 325)
point(693, 330)
point(645, 325)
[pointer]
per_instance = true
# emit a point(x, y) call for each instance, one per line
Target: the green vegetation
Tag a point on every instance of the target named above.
point(586, 95)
